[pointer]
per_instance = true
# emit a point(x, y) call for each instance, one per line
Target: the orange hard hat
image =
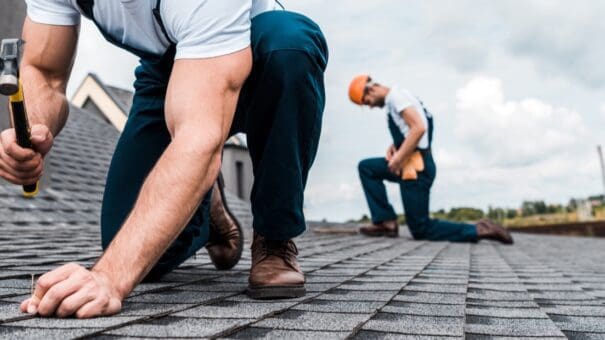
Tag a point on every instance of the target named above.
point(357, 87)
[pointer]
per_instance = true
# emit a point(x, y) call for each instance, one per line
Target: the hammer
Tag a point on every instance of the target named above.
point(10, 51)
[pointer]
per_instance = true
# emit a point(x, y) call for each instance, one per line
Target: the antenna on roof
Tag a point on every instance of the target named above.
point(600, 151)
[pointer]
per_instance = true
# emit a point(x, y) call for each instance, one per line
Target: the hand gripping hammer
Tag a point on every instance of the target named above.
point(10, 86)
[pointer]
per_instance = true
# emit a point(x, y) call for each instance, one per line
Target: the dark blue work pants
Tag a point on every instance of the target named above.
point(280, 109)
point(415, 196)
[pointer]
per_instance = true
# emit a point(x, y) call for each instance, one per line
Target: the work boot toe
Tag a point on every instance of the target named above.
point(275, 273)
point(487, 229)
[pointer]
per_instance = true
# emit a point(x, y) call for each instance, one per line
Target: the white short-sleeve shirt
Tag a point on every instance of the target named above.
point(399, 99)
point(200, 28)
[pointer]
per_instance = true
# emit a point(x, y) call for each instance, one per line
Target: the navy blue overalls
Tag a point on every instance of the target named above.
point(414, 194)
point(280, 109)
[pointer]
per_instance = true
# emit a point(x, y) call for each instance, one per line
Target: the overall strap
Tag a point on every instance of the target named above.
point(86, 7)
point(158, 17)
point(395, 132)
point(429, 119)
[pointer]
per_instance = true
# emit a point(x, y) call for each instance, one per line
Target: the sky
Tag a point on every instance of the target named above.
point(517, 89)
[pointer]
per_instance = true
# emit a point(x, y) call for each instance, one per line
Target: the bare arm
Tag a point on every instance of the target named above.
point(417, 130)
point(47, 58)
point(200, 104)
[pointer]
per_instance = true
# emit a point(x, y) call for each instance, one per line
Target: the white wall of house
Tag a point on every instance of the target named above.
point(237, 171)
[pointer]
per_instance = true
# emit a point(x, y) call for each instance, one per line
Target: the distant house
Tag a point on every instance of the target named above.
point(112, 105)
point(75, 169)
point(12, 13)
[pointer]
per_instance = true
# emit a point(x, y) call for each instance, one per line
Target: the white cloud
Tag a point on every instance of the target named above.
point(560, 41)
point(513, 133)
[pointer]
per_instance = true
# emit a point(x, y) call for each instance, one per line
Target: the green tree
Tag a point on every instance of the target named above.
point(465, 214)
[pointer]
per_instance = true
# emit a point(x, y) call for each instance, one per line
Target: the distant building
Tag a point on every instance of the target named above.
point(12, 13)
point(597, 200)
point(112, 105)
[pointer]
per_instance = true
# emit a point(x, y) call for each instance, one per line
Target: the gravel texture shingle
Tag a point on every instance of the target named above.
point(362, 288)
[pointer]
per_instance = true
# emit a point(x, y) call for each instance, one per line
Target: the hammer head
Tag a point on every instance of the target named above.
point(10, 52)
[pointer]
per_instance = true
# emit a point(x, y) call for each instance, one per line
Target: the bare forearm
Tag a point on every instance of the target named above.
point(409, 144)
point(168, 199)
point(46, 102)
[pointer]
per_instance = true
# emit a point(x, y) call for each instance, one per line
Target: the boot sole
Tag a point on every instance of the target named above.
point(240, 247)
point(276, 292)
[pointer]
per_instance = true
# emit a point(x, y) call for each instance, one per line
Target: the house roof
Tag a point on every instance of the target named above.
point(543, 286)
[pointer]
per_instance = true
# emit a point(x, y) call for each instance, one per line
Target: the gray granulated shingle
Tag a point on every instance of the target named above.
point(380, 288)
point(43, 333)
point(231, 309)
point(427, 309)
point(304, 320)
point(411, 296)
point(580, 323)
point(268, 333)
point(147, 309)
point(511, 327)
point(499, 312)
point(179, 327)
point(363, 307)
point(72, 323)
point(575, 310)
point(416, 325)
point(376, 335)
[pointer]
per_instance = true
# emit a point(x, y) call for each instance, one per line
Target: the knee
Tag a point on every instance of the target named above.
point(418, 227)
point(363, 167)
point(281, 30)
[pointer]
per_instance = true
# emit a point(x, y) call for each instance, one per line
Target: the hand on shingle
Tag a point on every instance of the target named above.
point(24, 166)
point(73, 290)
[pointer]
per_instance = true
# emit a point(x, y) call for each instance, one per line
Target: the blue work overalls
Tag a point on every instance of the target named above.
point(414, 194)
point(280, 108)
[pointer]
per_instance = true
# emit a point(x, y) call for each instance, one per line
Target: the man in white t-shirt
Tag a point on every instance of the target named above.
point(409, 163)
point(209, 69)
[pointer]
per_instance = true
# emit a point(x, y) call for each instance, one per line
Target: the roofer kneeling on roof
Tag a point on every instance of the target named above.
point(410, 164)
point(208, 70)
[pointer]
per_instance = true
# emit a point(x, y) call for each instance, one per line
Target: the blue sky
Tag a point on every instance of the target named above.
point(517, 89)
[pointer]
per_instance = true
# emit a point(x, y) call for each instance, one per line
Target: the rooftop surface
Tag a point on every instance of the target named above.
point(544, 286)
point(359, 288)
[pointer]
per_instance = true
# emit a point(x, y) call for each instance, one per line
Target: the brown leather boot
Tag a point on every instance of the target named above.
point(226, 240)
point(385, 228)
point(275, 273)
point(487, 229)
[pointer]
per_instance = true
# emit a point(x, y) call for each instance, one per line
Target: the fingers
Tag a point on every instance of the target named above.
point(60, 292)
point(41, 138)
point(8, 139)
point(72, 289)
point(23, 306)
point(103, 306)
point(19, 165)
point(74, 302)
point(47, 281)
point(21, 173)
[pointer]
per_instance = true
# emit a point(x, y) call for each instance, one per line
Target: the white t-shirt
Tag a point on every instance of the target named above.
point(398, 100)
point(200, 28)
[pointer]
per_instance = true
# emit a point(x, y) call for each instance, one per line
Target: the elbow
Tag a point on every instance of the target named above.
point(420, 131)
point(207, 146)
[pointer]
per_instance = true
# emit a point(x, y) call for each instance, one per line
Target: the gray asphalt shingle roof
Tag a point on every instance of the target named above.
point(358, 287)
point(361, 288)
